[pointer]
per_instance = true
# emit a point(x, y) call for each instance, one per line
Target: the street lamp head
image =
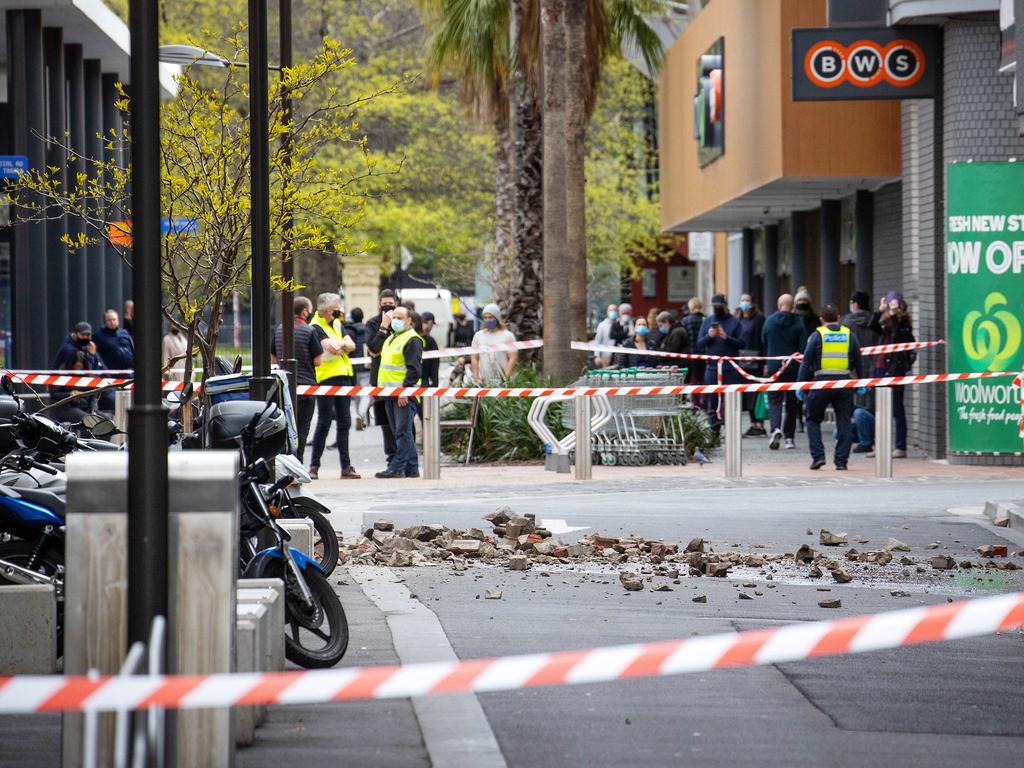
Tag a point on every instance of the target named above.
point(187, 55)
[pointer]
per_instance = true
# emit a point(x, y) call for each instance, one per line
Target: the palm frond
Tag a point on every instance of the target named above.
point(630, 30)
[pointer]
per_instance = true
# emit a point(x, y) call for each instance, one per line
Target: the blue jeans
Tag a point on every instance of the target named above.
point(331, 409)
point(401, 418)
point(815, 403)
point(863, 427)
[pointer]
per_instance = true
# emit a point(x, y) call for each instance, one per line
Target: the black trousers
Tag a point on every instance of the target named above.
point(815, 403)
point(380, 416)
point(305, 407)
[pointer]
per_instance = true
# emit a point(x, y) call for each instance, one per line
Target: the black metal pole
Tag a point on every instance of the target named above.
point(259, 152)
point(57, 160)
point(287, 352)
point(147, 422)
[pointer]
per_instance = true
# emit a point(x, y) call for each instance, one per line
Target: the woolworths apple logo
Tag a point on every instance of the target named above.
point(992, 338)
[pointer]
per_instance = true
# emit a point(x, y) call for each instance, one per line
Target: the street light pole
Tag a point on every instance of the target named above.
point(259, 152)
point(287, 352)
point(147, 421)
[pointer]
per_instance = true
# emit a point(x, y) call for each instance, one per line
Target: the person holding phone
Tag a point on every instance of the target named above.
point(720, 334)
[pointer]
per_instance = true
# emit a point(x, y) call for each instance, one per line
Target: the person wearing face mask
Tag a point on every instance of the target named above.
point(603, 336)
point(495, 366)
point(401, 365)
point(893, 323)
point(640, 340)
point(623, 326)
point(805, 311)
point(752, 323)
point(174, 346)
point(673, 337)
point(378, 328)
point(79, 340)
point(334, 369)
point(720, 334)
point(308, 351)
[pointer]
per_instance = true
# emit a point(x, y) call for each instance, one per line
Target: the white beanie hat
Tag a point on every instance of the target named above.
point(493, 309)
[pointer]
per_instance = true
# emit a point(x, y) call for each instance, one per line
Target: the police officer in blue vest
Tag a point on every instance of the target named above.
point(832, 352)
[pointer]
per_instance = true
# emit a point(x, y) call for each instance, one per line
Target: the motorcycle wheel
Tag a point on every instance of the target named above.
point(49, 563)
point(307, 642)
point(325, 538)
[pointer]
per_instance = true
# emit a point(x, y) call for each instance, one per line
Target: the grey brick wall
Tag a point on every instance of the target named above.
point(888, 265)
point(978, 124)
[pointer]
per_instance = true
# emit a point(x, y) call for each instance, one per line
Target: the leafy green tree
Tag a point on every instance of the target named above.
point(205, 178)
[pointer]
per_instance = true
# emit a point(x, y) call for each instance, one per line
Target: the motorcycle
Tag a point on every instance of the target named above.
point(317, 628)
point(302, 503)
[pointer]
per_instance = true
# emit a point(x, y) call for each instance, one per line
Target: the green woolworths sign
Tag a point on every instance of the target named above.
point(985, 300)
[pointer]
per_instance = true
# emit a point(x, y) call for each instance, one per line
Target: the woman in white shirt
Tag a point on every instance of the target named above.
point(492, 367)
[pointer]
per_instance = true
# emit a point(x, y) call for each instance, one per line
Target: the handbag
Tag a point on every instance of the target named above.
point(761, 407)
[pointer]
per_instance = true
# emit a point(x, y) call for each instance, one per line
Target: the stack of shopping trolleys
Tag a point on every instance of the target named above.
point(644, 429)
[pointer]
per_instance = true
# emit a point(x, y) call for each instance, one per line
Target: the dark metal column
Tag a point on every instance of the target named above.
point(831, 218)
point(286, 355)
point(147, 423)
point(113, 282)
point(26, 97)
point(865, 237)
point(96, 301)
point(259, 152)
point(798, 238)
point(747, 275)
point(56, 158)
point(771, 268)
point(78, 274)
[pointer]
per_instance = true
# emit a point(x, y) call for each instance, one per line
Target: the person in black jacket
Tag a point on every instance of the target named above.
point(357, 328)
point(431, 367)
point(378, 328)
point(73, 411)
point(893, 324)
point(752, 322)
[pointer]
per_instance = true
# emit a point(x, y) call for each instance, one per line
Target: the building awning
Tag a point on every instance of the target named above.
point(95, 27)
point(776, 200)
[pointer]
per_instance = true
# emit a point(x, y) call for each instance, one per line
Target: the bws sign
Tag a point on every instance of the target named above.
point(844, 64)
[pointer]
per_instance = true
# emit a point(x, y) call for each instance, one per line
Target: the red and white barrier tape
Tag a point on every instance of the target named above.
point(761, 380)
point(879, 349)
point(688, 389)
point(794, 642)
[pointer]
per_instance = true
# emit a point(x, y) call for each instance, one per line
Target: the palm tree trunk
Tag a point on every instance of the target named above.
point(503, 263)
point(575, 177)
point(527, 164)
point(557, 315)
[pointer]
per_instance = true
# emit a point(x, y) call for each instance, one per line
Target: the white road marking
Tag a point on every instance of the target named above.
point(454, 727)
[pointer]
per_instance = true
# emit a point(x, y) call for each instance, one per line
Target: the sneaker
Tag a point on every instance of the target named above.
point(414, 473)
point(314, 472)
point(360, 424)
point(349, 473)
point(817, 464)
point(776, 439)
point(862, 448)
point(899, 454)
point(387, 475)
point(755, 432)
point(790, 445)
point(841, 467)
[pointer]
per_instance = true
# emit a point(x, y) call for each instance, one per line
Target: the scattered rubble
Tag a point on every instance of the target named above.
point(942, 562)
point(829, 539)
point(1001, 520)
point(833, 603)
point(383, 525)
point(841, 576)
point(631, 581)
point(895, 545)
point(700, 599)
point(992, 550)
point(492, 594)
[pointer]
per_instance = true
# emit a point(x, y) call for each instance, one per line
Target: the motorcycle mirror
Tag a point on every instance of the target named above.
point(238, 364)
point(91, 420)
point(104, 428)
point(8, 385)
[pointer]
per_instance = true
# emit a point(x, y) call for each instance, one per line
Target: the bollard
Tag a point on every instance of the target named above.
point(122, 402)
point(28, 631)
point(584, 457)
point(203, 552)
point(301, 531)
point(883, 432)
point(431, 437)
point(277, 613)
point(246, 648)
point(96, 581)
point(733, 418)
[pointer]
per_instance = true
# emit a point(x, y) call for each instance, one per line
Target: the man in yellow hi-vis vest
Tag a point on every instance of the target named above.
point(401, 365)
point(832, 352)
point(334, 369)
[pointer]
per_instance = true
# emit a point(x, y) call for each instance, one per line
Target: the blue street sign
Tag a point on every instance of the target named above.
point(178, 226)
point(12, 165)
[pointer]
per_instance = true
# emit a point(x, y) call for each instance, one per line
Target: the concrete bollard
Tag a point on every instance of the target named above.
point(122, 402)
point(301, 531)
point(733, 418)
point(271, 601)
point(883, 432)
point(259, 615)
point(203, 553)
point(28, 629)
point(431, 438)
point(276, 607)
point(584, 447)
point(95, 591)
point(246, 649)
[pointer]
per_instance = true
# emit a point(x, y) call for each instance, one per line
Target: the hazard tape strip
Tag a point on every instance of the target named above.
point(760, 379)
point(688, 389)
point(878, 349)
point(789, 643)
